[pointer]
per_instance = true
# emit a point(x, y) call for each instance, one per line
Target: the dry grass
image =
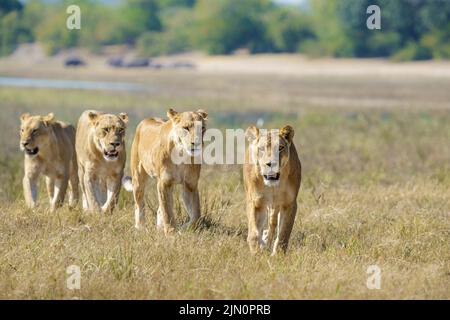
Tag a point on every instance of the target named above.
point(375, 191)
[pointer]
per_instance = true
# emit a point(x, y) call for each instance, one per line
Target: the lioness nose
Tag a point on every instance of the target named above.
point(272, 164)
point(115, 143)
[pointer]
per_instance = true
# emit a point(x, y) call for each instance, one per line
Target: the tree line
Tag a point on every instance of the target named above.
point(410, 29)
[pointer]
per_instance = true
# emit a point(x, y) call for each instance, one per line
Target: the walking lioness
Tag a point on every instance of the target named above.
point(49, 148)
point(155, 145)
point(272, 174)
point(101, 157)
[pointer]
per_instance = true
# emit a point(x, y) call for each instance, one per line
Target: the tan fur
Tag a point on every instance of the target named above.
point(100, 174)
point(53, 143)
point(271, 201)
point(153, 144)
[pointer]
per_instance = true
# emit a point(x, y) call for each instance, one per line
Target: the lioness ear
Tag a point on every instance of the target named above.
point(287, 132)
point(172, 114)
point(252, 133)
point(123, 116)
point(203, 114)
point(92, 116)
point(24, 116)
point(48, 118)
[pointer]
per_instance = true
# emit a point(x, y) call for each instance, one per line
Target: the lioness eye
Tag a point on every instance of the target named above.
point(33, 132)
point(186, 128)
point(280, 149)
point(105, 130)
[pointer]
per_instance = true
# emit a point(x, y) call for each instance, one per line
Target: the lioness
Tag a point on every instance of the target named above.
point(49, 148)
point(154, 144)
point(101, 157)
point(272, 174)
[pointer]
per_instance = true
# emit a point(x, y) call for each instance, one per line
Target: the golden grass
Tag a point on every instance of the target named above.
point(404, 229)
point(374, 191)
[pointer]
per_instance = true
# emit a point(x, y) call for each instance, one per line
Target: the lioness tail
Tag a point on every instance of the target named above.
point(127, 183)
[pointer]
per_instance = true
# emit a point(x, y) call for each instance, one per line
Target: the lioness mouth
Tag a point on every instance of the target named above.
point(112, 154)
point(272, 177)
point(32, 152)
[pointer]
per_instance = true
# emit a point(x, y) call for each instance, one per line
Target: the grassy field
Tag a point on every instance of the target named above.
point(375, 191)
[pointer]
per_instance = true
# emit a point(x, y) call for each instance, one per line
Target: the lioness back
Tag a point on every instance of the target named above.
point(149, 134)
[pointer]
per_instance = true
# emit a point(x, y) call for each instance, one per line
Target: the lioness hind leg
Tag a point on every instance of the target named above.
point(74, 191)
point(61, 183)
point(83, 191)
point(287, 218)
point(50, 184)
point(139, 181)
point(100, 190)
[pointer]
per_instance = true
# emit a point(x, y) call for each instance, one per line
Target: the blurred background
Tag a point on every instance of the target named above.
point(411, 29)
point(350, 92)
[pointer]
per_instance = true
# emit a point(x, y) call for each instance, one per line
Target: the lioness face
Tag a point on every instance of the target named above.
point(34, 133)
point(269, 151)
point(188, 129)
point(109, 134)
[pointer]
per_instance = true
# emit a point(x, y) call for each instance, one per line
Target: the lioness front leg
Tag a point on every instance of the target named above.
point(273, 224)
point(90, 186)
point(165, 199)
point(287, 218)
point(191, 201)
point(113, 184)
point(256, 220)
point(61, 182)
point(30, 189)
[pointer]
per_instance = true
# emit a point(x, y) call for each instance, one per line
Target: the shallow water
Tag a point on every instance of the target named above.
point(68, 84)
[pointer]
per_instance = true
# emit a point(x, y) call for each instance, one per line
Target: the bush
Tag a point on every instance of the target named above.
point(413, 51)
point(438, 42)
point(382, 44)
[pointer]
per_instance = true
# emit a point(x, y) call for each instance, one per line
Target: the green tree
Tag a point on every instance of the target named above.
point(11, 31)
point(405, 23)
point(7, 6)
point(331, 40)
point(226, 25)
point(287, 28)
point(137, 17)
point(176, 3)
point(175, 37)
